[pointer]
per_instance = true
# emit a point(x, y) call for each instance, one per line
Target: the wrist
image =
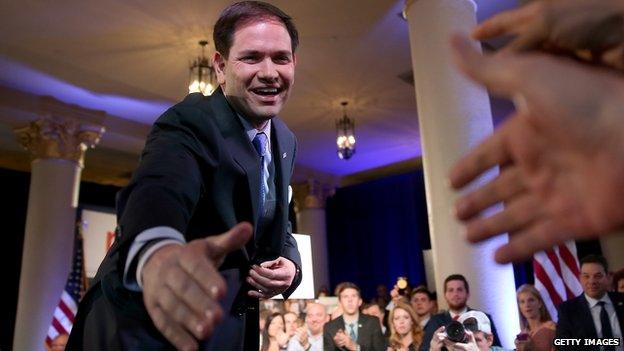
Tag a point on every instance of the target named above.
point(157, 258)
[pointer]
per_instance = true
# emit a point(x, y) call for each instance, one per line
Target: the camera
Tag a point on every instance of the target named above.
point(402, 285)
point(456, 332)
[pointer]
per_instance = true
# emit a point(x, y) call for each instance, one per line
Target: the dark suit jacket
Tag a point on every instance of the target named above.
point(200, 175)
point(444, 318)
point(575, 319)
point(369, 334)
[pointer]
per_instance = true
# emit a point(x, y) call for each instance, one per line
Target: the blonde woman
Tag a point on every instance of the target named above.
point(538, 329)
point(405, 331)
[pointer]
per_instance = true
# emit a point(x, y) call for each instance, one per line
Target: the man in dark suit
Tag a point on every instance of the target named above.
point(353, 330)
point(456, 293)
point(187, 268)
point(596, 313)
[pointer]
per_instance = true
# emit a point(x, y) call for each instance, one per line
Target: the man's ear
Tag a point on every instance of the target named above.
point(218, 62)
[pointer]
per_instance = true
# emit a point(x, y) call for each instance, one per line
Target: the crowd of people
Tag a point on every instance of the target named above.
point(408, 319)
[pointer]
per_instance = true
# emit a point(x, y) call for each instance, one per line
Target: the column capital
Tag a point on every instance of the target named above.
point(55, 137)
point(409, 3)
point(312, 194)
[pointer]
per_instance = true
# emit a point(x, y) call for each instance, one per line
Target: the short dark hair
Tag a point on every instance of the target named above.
point(346, 285)
point(245, 12)
point(422, 290)
point(598, 259)
point(457, 277)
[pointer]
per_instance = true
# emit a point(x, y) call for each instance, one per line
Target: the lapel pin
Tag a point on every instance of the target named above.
point(284, 155)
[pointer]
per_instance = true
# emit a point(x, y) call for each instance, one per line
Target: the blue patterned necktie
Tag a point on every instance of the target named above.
point(352, 332)
point(260, 144)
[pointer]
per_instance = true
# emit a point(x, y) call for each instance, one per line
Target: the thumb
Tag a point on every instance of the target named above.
point(219, 246)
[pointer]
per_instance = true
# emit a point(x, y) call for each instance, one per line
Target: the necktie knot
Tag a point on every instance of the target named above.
point(260, 142)
point(601, 303)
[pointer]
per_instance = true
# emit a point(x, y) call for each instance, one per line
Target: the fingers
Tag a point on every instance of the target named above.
point(522, 245)
point(220, 245)
point(516, 215)
point(176, 335)
point(203, 309)
point(491, 152)
point(504, 23)
point(506, 185)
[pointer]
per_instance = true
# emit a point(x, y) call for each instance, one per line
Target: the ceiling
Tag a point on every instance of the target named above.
point(130, 58)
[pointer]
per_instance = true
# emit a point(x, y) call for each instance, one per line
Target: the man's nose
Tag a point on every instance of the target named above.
point(268, 71)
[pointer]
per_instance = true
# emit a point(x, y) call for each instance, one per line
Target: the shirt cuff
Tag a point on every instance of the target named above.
point(143, 246)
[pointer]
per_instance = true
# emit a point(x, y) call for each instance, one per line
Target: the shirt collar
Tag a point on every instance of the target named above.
point(593, 302)
point(251, 131)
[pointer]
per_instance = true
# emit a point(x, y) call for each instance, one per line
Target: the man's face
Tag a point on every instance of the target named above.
point(260, 70)
point(594, 280)
point(421, 304)
point(484, 341)
point(316, 318)
point(455, 294)
point(374, 311)
point(620, 285)
point(350, 301)
point(290, 323)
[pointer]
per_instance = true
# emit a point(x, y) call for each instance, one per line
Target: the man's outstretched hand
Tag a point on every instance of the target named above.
point(182, 286)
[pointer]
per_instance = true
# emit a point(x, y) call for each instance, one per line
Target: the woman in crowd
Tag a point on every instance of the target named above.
point(538, 329)
point(274, 336)
point(405, 332)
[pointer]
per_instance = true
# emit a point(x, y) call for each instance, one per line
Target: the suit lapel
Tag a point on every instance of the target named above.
point(239, 146)
point(618, 302)
point(587, 321)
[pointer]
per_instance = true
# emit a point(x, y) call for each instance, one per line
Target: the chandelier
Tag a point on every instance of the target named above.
point(202, 75)
point(345, 140)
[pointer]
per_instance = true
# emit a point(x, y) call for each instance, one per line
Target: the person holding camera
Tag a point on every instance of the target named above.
point(471, 332)
point(456, 294)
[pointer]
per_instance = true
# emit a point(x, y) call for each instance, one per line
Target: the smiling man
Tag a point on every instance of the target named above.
point(203, 228)
point(596, 313)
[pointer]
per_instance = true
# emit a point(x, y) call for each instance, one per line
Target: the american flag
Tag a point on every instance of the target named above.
point(65, 312)
point(557, 275)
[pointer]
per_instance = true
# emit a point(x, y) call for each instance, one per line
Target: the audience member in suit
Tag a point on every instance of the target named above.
point(596, 313)
point(373, 309)
point(456, 293)
point(405, 332)
point(187, 268)
point(536, 325)
point(423, 305)
point(352, 330)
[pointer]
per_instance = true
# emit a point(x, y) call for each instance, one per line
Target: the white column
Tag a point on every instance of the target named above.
point(612, 247)
point(58, 148)
point(311, 221)
point(454, 115)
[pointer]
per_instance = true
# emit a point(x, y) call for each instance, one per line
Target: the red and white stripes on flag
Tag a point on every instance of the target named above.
point(65, 312)
point(557, 275)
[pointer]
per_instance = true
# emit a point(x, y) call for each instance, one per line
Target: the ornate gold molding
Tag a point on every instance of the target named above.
point(53, 137)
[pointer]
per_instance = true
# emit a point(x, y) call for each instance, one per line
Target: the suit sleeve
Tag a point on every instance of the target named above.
point(379, 343)
point(432, 326)
point(169, 179)
point(328, 339)
point(290, 249)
